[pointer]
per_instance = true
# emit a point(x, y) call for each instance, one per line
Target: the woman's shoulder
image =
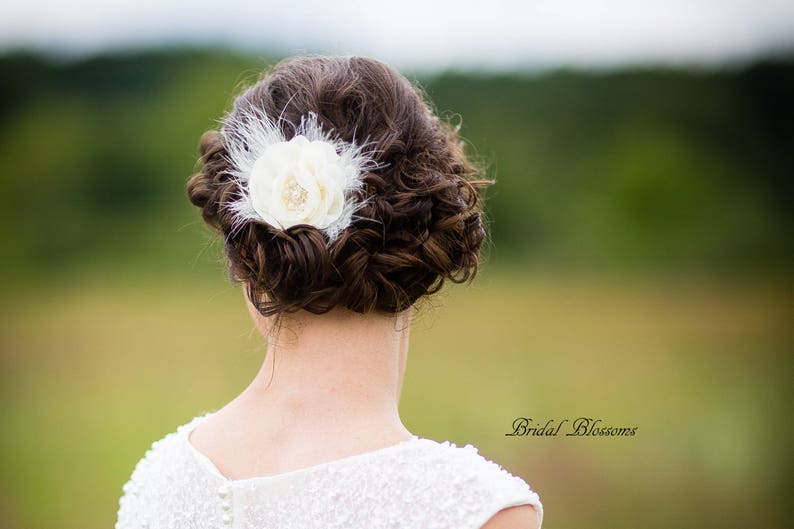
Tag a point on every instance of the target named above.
point(475, 486)
point(161, 466)
point(163, 449)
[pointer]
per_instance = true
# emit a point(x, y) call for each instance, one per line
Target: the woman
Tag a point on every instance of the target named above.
point(343, 201)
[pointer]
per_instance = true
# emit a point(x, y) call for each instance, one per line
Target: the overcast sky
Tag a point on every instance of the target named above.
point(418, 34)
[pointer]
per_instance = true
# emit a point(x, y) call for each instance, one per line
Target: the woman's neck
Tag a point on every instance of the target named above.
point(340, 370)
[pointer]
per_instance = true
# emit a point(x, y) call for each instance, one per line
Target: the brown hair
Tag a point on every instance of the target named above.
point(423, 222)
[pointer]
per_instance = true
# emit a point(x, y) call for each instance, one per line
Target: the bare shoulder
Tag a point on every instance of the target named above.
point(519, 517)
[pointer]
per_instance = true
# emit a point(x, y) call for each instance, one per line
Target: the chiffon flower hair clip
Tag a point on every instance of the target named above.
point(314, 178)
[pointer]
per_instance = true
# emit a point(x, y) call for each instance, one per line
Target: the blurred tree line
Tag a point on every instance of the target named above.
point(648, 169)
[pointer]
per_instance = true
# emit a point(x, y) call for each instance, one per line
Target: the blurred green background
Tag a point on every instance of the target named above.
point(639, 273)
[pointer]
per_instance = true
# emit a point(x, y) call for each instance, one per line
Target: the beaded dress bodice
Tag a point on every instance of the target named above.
point(418, 483)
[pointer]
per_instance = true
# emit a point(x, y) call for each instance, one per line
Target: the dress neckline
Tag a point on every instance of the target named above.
point(212, 467)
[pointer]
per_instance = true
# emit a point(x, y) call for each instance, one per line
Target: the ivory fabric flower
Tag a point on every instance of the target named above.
point(298, 182)
point(311, 178)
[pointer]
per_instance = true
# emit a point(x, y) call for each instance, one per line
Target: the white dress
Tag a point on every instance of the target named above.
point(418, 483)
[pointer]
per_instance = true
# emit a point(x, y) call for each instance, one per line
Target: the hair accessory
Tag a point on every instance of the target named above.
point(311, 179)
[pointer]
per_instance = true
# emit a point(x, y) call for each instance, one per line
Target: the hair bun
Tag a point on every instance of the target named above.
point(204, 189)
point(421, 220)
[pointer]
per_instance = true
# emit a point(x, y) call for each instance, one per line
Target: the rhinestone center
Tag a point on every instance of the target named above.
point(294, 196)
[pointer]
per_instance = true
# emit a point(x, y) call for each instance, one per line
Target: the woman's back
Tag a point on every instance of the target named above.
point(415, 483)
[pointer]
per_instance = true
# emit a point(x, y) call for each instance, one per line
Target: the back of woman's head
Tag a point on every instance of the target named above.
point(419, 218)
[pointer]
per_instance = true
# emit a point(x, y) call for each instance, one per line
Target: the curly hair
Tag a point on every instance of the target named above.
point(423, 223)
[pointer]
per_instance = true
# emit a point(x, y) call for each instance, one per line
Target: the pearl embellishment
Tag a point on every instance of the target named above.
point(223, 491)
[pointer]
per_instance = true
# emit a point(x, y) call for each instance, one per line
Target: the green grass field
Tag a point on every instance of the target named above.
point(92, 373)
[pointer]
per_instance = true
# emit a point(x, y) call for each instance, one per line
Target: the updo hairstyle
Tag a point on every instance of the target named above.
point(423, 223)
